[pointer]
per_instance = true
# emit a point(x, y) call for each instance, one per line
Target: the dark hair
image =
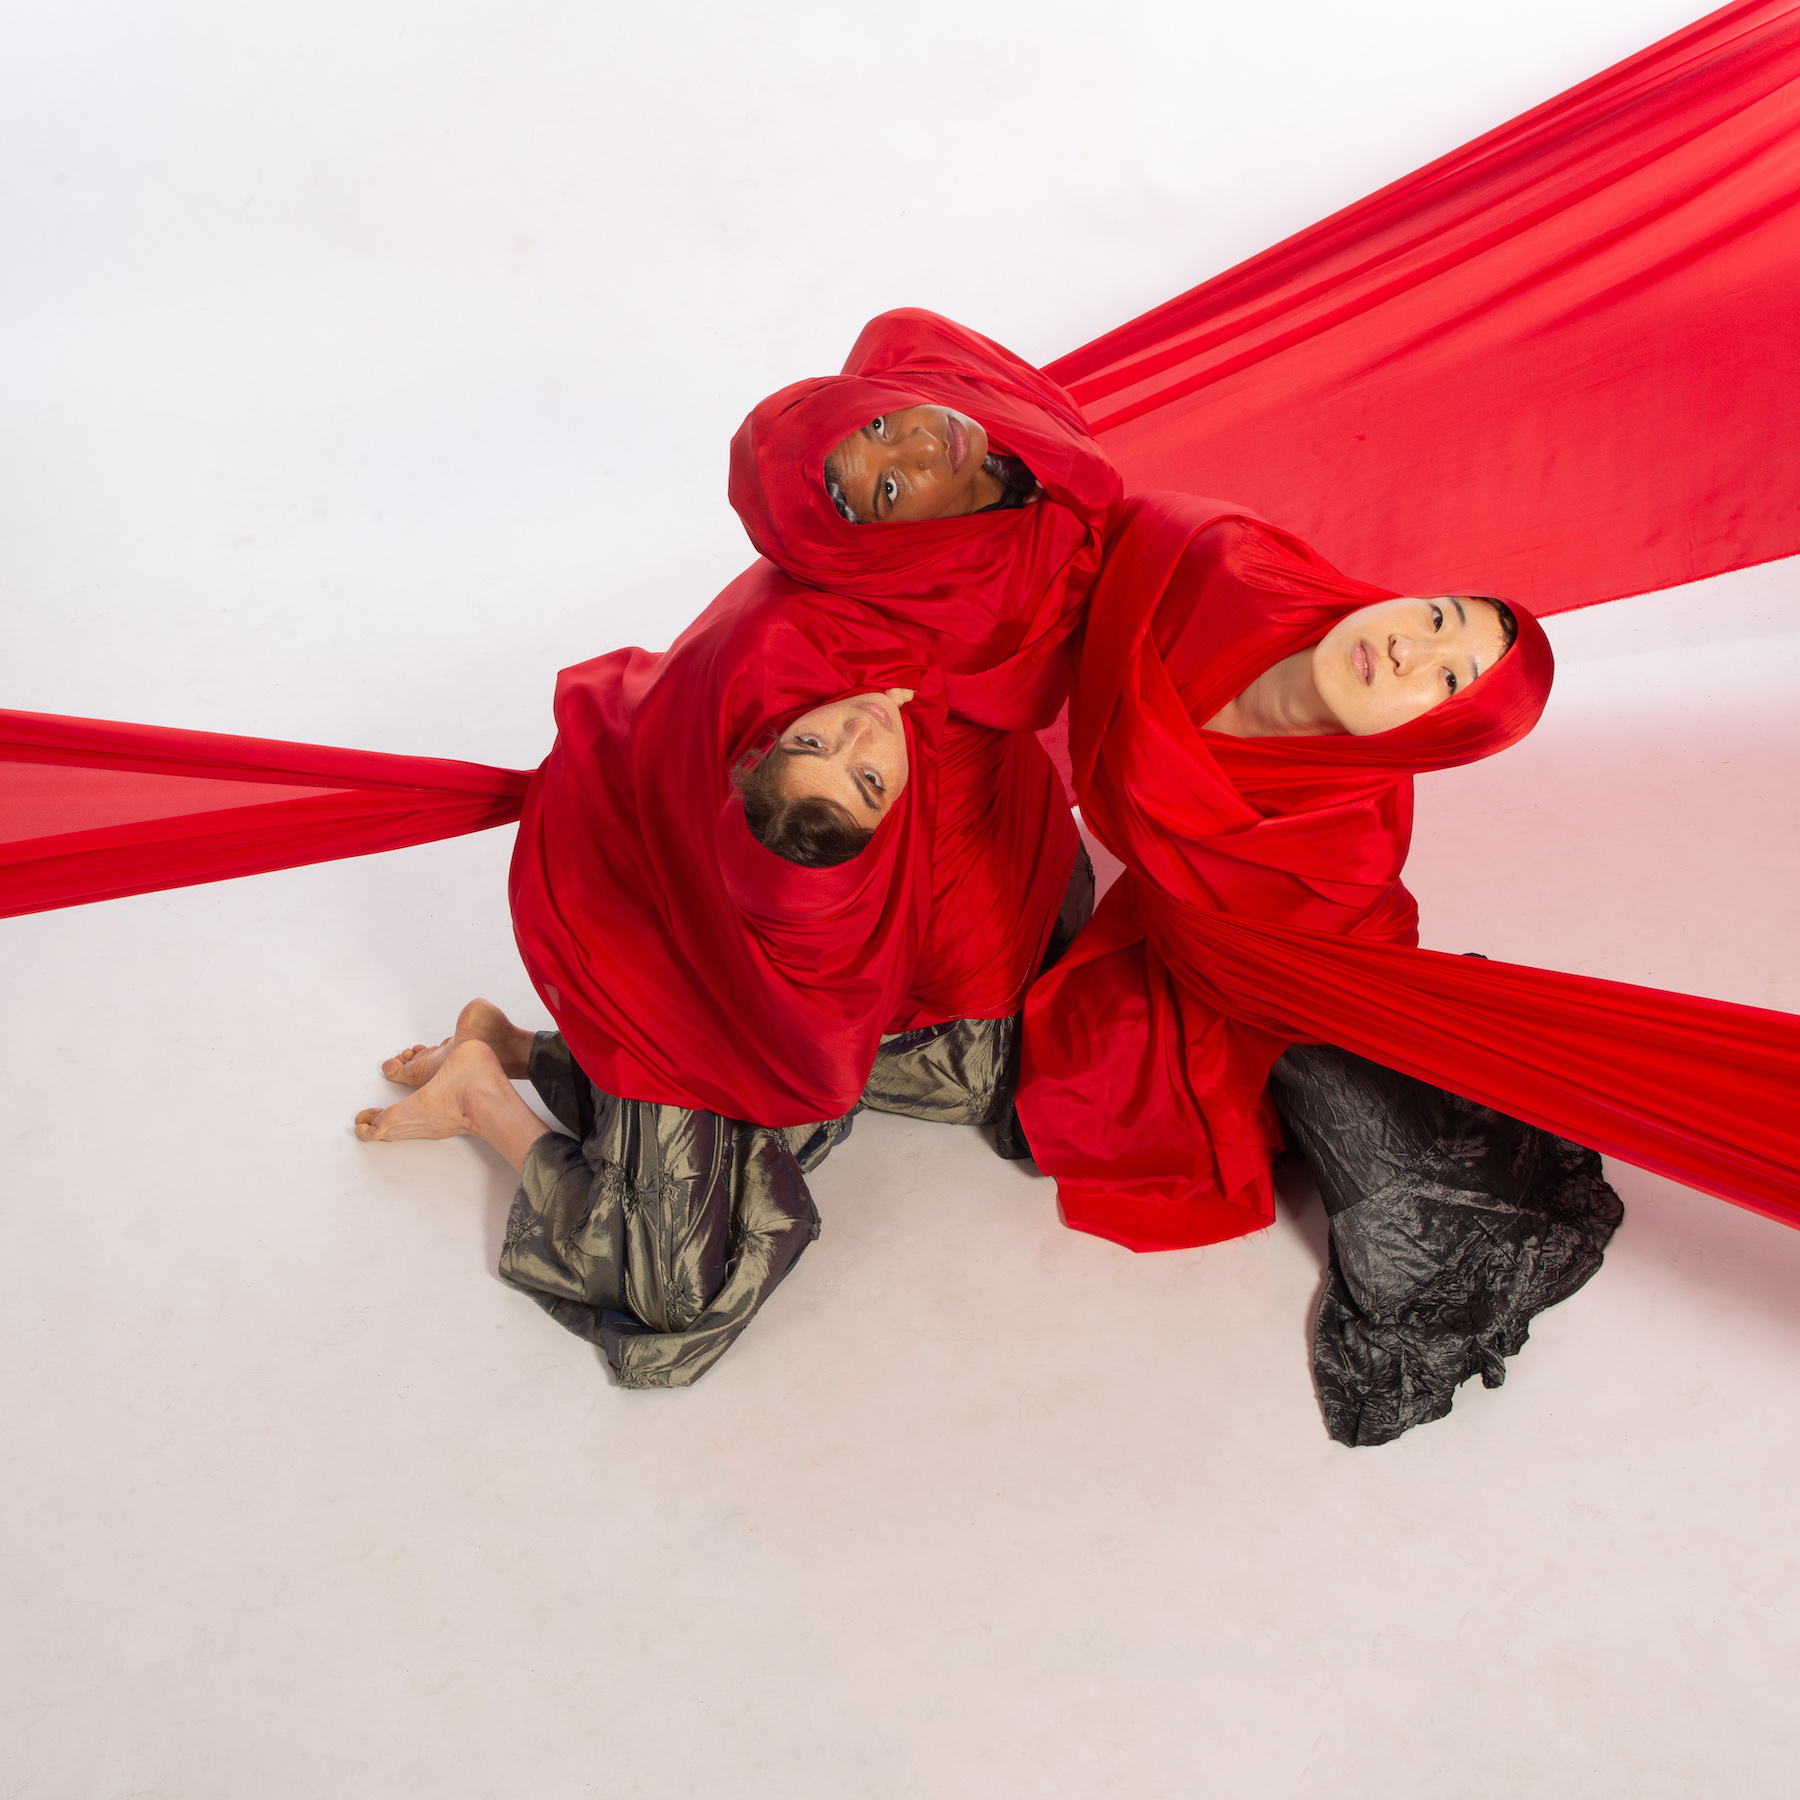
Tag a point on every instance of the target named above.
point(1017, 483)
point(803, 828)
point(1509, 626)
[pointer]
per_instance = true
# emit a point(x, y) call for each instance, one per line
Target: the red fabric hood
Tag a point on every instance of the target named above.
point(999, 592)
point(683, 961)
point(1144, 1077)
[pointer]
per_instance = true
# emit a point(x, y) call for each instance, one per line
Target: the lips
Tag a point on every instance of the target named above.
point(877, 712)
point(957, 434)
point(1363, 663)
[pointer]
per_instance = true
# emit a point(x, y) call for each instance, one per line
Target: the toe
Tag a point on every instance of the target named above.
point(366, 1122)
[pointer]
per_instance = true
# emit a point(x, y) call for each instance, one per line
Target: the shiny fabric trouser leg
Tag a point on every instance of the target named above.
point(659, 1231)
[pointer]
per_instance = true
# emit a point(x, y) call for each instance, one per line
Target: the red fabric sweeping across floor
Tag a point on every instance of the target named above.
point(1560, 364)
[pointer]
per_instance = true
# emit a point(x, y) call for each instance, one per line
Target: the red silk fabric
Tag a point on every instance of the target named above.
point(681, 960)
point(998, 594)
point(93, 810)
point(684, 962)
point(1144, 1079)
point(1560, 364)
point(1262, 906)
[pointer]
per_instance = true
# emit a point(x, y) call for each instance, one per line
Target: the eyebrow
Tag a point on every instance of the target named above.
point(1474, 661)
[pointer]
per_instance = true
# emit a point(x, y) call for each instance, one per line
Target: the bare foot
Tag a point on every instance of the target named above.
point(446, 1105)
point(480, 1022)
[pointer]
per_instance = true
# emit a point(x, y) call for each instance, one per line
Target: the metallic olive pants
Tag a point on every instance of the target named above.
point(656, 1232)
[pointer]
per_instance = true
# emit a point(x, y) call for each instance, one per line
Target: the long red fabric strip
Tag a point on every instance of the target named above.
point(1560, 364)
point(145, 807)
point(1699, 1090)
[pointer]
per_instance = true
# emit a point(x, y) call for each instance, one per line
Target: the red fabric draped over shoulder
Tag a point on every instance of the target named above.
point(1263, 906)
point(999, 593)
point(1144, 1092)
point(681, 960)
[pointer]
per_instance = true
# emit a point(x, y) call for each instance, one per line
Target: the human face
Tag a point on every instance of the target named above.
point(1395, 660)
point(923, 462)
point(852, 751)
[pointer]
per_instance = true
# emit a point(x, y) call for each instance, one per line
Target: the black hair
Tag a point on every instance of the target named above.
point(1017, 483)
point(806, 829)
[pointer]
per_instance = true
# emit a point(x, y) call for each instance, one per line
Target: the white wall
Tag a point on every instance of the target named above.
point(361, 360)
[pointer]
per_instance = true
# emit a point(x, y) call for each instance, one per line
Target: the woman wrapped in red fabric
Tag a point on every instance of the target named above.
point(1244, 736)
point(719, 1006)
point(1245, 729)
point(950, 487)
point(747, 922)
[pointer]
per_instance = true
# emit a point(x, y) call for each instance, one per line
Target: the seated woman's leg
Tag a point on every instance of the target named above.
point(471, 1095)
point(560, 1083)
point(658, 1234)
point(480, 1021)
point(1452, 1227)
point(962, 1072)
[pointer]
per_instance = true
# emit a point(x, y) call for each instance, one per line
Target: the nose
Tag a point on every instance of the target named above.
point(923, 445)
point(1406, 653)
point(858, 730)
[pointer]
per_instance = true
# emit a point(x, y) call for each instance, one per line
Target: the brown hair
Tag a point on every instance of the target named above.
point(803, 828)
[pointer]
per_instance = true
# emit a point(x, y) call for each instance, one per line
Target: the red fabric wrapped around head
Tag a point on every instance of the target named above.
point(997, 592)
point(682, 961)
point(1144, 1074)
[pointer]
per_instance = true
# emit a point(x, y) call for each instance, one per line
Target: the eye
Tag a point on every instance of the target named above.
point(873, 777)
point(891, 488)
point(1437, 618)
point(810, 739)
point(1450, 680)
point(875, 425)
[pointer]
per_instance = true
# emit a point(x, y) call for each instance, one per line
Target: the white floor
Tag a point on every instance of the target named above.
point(361, 365)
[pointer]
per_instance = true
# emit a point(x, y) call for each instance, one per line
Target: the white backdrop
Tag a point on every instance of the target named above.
point(363, 365)
point(359, 356)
